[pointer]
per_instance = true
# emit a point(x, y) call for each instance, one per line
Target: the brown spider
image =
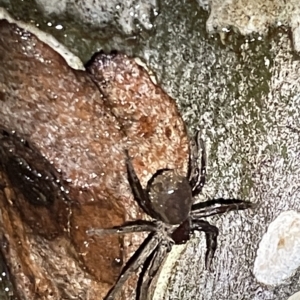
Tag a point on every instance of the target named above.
point(168, 199)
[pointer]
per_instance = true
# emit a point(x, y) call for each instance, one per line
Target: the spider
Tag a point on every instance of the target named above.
point(168, 199)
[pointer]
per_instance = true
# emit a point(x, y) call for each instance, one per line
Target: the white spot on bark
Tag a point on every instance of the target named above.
point(278, 255)
point(295, 296)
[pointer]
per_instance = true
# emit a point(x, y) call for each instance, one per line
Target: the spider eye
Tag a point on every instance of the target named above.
point(170, 196)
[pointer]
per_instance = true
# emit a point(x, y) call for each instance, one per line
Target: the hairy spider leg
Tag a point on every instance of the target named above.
point(150, 269)
point(197, 176)
point(211, 234)
point(218, 206)
point(154, 259)
point(139, 257)
point(129, 227)
point(139, 193)
point(210, 208)
point(151, 263)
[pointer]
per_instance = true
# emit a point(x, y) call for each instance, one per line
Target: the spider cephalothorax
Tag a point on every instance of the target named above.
point(168, 199)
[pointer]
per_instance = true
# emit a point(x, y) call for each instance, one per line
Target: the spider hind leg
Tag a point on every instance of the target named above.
point(149, 271)
point(211, 234)
point(129, 227)
point(210, 208)
point(218, 206)
point(138, 259)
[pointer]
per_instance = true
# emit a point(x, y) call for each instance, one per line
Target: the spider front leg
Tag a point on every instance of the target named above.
point(139, 193)
point(197, 176)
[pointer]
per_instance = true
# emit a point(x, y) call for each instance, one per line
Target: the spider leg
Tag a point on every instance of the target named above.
point(138, 258)
point(150, 270)
point(211, 234)
point(197, 175)
point(129, 227)
point(218, 206)
point(139, 193)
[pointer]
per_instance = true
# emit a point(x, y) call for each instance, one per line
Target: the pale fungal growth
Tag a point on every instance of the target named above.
point(278, 255)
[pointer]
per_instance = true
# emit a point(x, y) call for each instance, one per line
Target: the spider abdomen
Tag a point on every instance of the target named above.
point(170, 196)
